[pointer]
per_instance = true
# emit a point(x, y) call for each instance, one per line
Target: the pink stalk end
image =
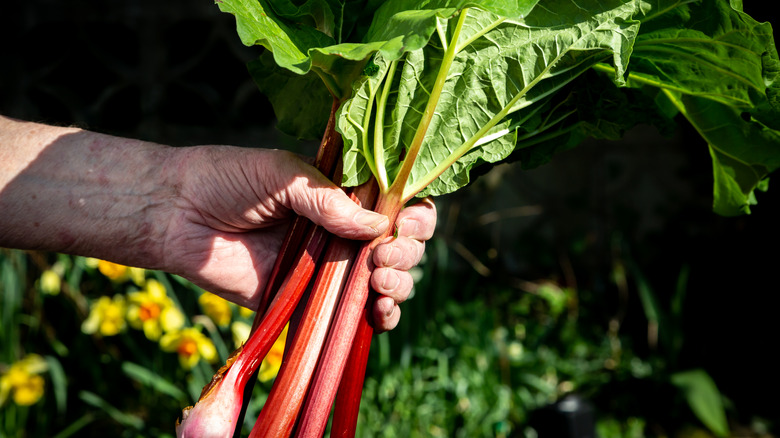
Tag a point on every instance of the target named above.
point(216, 413)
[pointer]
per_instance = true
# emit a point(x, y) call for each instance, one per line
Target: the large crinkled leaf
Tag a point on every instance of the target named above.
point(395, 18)
point(311, 36)
point(533, 59)
point(514, 65)
point(714, 51)
point(301, 102)
point(718, 65)
point(743, 152)
point(257, 23)
point(588, 108)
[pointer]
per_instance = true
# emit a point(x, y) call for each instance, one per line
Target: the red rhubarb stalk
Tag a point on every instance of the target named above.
point(324, 385)
point(278, 416)
point(350, 389)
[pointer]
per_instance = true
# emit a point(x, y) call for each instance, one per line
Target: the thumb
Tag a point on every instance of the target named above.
point(325, 204)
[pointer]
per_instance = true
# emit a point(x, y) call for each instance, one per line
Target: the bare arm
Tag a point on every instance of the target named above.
point(213, 214)
point(74, 191)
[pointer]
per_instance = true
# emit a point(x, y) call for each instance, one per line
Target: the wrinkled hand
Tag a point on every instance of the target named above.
point(233, 209)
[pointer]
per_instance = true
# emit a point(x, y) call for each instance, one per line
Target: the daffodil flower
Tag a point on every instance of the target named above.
point(23, 381)
point(153, 311)
point(106, 316)
point(50, 282)
point(269, 368)
point(273, 360)
point(113, 271)
point(246, 312)
point(121, 273)
point(191, 345)
point(216, 308)
point(240, 331)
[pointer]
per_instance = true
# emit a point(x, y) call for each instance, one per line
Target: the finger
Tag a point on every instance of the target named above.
point(418, 221)
point(400, 253)
point(386, 314)
point(392, 283)
point(318, 199)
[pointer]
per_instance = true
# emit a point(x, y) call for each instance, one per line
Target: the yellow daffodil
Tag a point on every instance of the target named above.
point(216, 308)
point(23, 381)
point(240, 331)
point(153, 311)
point(269, 368)
point(50, 282)
point(106, 316)
point(121, 273)
point(245, 312)
point(191, 345)
point(138, 275)
point(113, 271)
point(91, 262)
point(273, 360)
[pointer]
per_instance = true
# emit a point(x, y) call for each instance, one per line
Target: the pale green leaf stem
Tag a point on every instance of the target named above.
point(406, 167)
point(364, 129)
point(379, 152)
point(546, 124)
point(545, 127)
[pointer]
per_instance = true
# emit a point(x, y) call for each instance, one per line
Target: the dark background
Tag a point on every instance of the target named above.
point(173, 72)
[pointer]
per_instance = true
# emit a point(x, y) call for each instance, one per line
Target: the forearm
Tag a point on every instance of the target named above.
point(74, 191)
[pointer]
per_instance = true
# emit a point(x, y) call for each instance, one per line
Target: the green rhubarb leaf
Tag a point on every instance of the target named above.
point(258, 23)
point(743, 150)
point(719, 68)
point(310, 36)
point(301, 102)
point(713, 50)
point(517, 65)
point(511, 84)
point(335, 18)
point(513, 66)
point(407, 25)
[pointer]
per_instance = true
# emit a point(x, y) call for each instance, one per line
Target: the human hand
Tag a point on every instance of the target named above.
point(232, 210)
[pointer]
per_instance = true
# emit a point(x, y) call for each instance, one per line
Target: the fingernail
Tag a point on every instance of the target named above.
point(394, 256)
point(375, 221)
point(408, 228)
point(391, 282)
point(390, 312)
